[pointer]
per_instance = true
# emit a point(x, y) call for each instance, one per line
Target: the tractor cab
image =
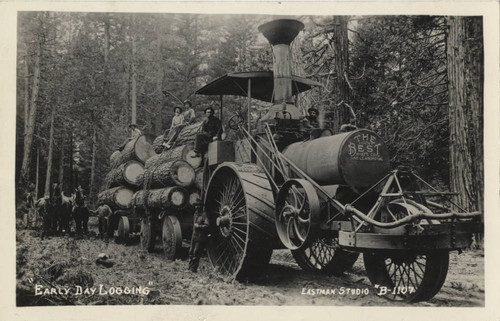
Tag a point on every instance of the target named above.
point(285, 119)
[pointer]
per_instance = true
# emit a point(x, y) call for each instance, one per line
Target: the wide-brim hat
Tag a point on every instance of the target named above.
point(312, 109)
point(187, 101)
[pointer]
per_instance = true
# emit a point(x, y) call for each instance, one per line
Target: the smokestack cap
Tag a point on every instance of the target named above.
point(281, 31)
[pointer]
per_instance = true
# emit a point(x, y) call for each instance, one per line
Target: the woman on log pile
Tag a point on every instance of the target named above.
point(189, 114)
point(177, 124)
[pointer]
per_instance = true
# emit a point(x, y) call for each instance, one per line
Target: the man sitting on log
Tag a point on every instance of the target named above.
point(136, 132)
point(211, 129)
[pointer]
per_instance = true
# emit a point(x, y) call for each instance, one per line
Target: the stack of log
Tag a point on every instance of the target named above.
point(172, 178)
point(145, 176)
point(127, 167)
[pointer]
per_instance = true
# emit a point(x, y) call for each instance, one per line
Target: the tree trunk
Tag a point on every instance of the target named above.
point(106, 58)
point(465, 78)
point(26, 92)
point(303, 101)
point(37, 177)
point(133, 93)
point(30, 128)
point(61, 164)
point(341, 85)
point(49, 157)
point(92, 168)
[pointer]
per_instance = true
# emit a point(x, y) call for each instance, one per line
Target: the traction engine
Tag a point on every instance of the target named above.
point(327, 199)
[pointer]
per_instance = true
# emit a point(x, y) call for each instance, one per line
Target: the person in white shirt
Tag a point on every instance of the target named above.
point(178, 123)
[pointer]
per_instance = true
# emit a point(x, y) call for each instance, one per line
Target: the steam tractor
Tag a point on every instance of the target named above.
point(326, 198)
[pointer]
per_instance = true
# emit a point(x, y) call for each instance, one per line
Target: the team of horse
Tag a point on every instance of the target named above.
point(57, 211)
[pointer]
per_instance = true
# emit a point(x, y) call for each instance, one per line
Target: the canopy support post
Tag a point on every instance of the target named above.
point(221, 108)
point(249, 93)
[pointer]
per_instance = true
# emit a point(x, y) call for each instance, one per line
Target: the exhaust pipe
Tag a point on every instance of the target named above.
point(280, 34)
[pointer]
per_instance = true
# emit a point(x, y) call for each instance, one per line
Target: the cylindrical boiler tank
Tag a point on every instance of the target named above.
point(358, 158)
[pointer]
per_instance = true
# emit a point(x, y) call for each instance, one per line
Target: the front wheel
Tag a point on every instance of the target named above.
point(324, 256)
point(407, 276)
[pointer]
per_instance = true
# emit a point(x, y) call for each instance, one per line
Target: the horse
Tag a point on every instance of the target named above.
point(80, 211)
point(60, 205)
point(42, 206)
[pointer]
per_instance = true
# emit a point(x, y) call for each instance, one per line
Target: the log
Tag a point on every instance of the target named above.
point(117, 197)
point(158, 144)
point(173, 197)
point(125, 174)
point(167, 155)
point(114, 159)
point(188, 155)
point(170, 173)
point(140, 149)
point(198, 180)
point(188, 134)
point(194, 197)
point(140, 180)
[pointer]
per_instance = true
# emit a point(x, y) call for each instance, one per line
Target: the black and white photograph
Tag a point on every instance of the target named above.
point(176, 156)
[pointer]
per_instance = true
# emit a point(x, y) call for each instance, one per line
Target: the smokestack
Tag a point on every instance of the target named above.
point(280, 34)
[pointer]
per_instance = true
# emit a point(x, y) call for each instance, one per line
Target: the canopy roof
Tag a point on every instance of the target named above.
point(261, 88)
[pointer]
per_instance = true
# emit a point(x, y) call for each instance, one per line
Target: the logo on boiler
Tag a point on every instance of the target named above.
point(365, 147)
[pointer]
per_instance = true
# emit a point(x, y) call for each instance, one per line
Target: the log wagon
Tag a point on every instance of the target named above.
point(120, 184)
point(327, 198)
point(170, 186)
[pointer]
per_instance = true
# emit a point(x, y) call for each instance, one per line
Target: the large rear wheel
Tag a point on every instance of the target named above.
point(406, 276)
point(410, 276)
point(240, 208)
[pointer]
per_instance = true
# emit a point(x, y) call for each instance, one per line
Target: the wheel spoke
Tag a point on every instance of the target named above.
point(299, 235)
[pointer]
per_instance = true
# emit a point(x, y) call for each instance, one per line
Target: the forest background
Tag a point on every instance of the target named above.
point(417, 81)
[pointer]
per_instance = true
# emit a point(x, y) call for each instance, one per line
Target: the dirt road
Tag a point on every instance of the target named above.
point(138, 277)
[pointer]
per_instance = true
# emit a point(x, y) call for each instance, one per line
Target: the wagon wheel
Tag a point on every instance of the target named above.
point(240, 208)
point(147, 234)
point(171, 237)
point(407, 275)
point(123, 235)
point(297, 213)
point(324, 256)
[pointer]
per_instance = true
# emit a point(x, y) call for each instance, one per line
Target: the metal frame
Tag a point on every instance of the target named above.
point(449, 230)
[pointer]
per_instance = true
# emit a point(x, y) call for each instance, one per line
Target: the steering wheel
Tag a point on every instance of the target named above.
point(235, 121)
